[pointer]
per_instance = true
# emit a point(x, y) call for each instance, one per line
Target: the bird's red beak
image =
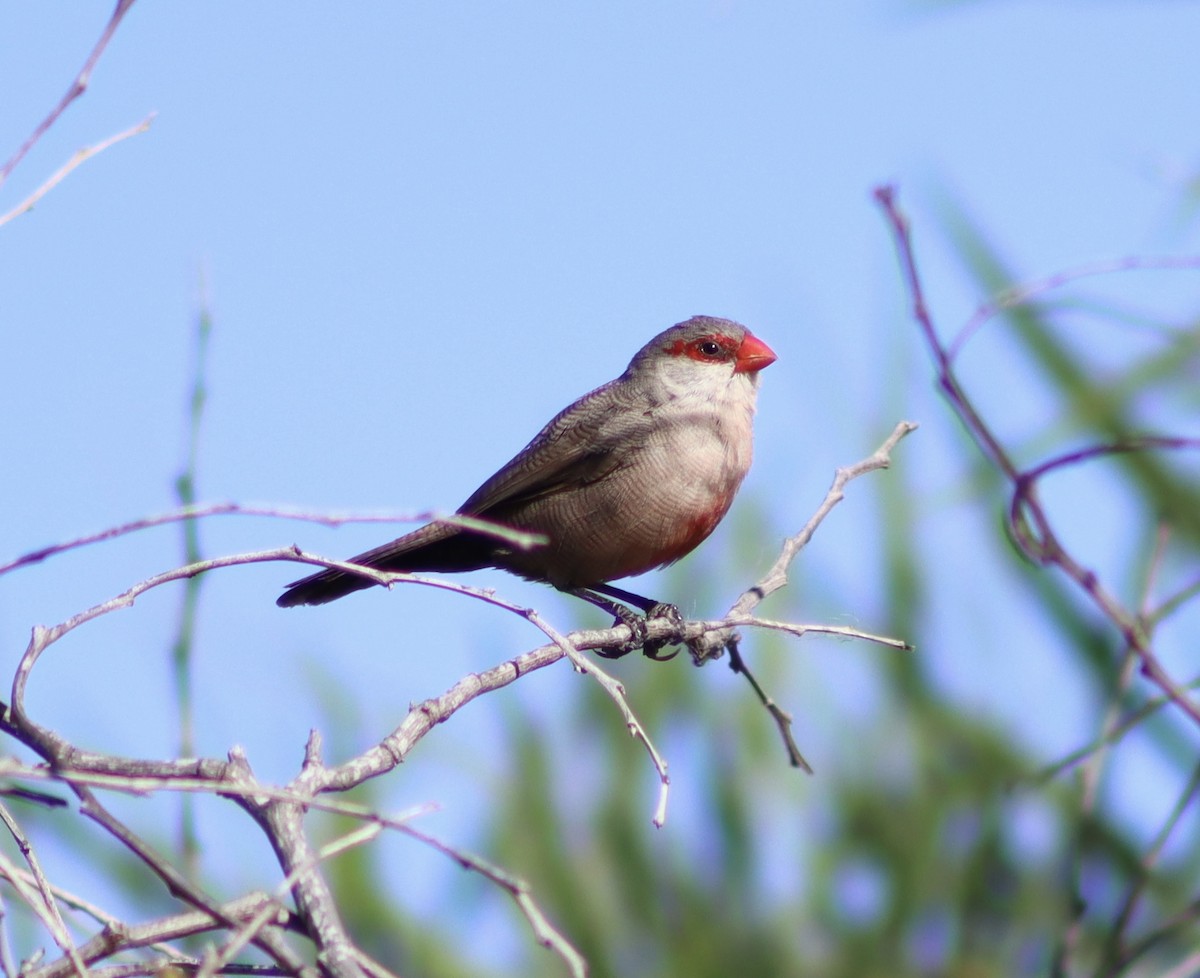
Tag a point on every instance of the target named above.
point(753, 355)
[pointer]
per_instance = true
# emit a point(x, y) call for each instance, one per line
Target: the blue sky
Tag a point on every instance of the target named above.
point(425, 228)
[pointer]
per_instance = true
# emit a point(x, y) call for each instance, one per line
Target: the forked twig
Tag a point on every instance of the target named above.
point(1031, 524)
point(722, 637)
point(280, 812)
point(1035, 537)
point(78, 87)
point(40, 897)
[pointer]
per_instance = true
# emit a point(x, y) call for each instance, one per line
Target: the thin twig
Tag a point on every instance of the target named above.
point(517, 538)
point(544, 932)
point(776, 577)
point(1021, 294)
point(280, 811)
point(269, 941)
point(79, 157)
point(616, 692)
point(721, 637)
point(7, 962)
point(1126, 724)
point(119, 938)
point(1030, 523)
point(78, 87)
point(41, 902)
point(783, 719)
point(248, 931)
point(800, 630)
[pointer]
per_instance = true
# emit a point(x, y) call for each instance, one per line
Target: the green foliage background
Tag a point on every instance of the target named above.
point(935, 838)
point(921, 861)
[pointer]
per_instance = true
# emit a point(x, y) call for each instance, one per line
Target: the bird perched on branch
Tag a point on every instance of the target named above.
point(628, 478)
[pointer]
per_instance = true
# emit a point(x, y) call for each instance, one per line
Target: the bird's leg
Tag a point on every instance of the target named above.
point(623, 615)
point(653, 609)
point(646, 604)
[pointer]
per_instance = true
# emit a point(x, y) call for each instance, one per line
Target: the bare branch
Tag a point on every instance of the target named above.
point(517, 538)
point(616, 692)
point(1030, 522)
point(783, 719)
point(280, 811)
point(1034, 535)
point(78, 87)
point(545, 933)
point(776, 577)
point(1019, 295)
point(254, 925)
point(43, 902)
point(79, 157)
point(118, 938)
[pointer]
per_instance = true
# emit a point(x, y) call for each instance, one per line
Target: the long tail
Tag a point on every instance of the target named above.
point(436, 547)
point(322, 588)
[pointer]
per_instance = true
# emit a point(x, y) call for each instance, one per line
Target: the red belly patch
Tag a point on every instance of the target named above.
point(688, 534)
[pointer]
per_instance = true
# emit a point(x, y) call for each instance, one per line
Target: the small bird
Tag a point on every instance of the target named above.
point(632, 476)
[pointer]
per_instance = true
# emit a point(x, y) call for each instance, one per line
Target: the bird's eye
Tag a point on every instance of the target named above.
point(711, 349)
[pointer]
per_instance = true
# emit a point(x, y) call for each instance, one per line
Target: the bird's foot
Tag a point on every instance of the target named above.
point(602, 596)
point(670, 613)
point(639, 632)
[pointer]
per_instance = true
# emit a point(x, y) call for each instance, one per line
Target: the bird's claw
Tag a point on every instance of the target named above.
point(669, 613)
point(666, 611)
point(639, 632)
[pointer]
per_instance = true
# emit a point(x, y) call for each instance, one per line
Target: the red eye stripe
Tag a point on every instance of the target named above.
point(728, 351)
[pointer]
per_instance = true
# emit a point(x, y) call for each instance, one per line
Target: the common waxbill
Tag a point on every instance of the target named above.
point(630, 477)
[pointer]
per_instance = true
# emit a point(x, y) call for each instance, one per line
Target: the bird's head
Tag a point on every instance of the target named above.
point(703, 355)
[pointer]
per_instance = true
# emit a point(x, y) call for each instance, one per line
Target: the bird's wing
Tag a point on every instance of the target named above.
point(579, 446)
point(586, 442)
